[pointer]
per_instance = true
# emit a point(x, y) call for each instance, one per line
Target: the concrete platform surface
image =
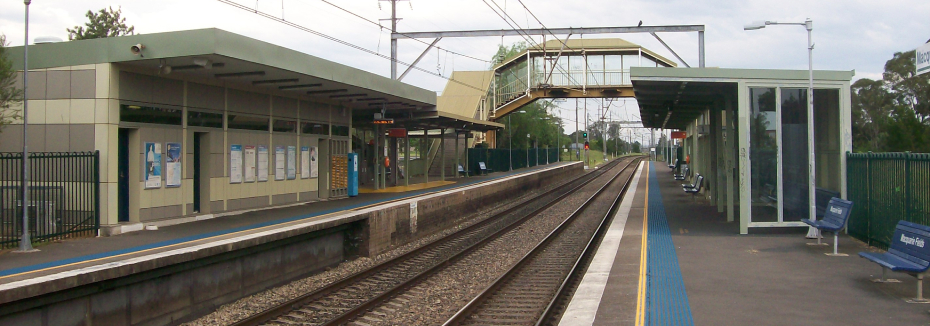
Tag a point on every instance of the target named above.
point(769, 277)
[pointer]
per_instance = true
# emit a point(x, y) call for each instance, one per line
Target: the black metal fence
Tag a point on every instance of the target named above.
point(886, 188)
point(63, 196)
point(502, 159)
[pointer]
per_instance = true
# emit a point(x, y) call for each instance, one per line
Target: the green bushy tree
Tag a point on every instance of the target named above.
point(104, 23)
point(10, 95)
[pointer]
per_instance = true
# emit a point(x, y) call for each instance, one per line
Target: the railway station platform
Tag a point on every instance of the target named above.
point(697, 269)
point(196, 266)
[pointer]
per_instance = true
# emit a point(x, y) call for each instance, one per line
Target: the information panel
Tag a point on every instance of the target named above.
point(279, 162)
point(250, 171)
point(291, 162)
point(235, 164)
point(262, 163)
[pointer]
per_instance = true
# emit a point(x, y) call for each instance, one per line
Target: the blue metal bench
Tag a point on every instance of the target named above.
point(484, 168)
point(695, 188)
point(463, 172)
point(836, 214)
point(909, 253)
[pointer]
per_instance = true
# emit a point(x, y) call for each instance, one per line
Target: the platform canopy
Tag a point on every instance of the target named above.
point(215, 56)
point(671, 98)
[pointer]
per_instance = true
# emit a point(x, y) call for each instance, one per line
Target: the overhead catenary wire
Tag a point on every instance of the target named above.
point(418, 40)
point(516, 27)
point(334, 39)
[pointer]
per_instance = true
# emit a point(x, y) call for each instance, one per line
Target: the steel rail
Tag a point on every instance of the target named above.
point(474, 304)
point(303, 300)
point(368, 305)
point(588, 252)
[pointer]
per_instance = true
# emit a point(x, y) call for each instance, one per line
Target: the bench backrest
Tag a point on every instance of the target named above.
point(482, 166)
point(699, 183)
point(911, 241)
point(461, 169)
point(837, 211)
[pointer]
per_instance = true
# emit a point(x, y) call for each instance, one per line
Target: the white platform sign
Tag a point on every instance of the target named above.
point(923, 59)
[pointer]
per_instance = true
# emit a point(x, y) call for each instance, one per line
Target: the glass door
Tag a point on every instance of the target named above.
point(794, 170)
point(763, 155)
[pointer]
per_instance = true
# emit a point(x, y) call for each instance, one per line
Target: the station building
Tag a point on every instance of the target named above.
point(193, 124)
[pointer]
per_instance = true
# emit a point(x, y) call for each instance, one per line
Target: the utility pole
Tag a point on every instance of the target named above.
point(394, 20)
point(577, 143)
point(604, 133)
point(393, 41)
point(584, 157)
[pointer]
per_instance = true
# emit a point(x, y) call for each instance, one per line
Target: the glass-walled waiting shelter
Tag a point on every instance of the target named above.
point(746, 133)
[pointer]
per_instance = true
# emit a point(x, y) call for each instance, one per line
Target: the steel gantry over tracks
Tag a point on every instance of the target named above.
point(563, 67)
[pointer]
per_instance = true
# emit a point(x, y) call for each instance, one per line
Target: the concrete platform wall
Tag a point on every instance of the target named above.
point(397, 225)
point(168, 289)
point(176, 293)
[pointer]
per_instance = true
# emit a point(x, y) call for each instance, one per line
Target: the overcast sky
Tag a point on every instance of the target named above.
point(849, 35)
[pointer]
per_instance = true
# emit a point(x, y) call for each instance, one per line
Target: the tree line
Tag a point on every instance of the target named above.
point(892, 114)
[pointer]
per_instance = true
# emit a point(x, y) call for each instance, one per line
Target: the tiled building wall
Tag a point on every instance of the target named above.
point(77, 109)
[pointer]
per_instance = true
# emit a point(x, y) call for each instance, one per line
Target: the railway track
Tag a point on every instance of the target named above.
point(535, 289)
point(344, 300)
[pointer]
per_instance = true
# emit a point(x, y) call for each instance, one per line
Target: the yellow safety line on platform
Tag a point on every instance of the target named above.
point(641, 292)
point(419, 186)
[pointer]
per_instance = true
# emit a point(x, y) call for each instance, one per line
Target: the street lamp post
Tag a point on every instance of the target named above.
point(809, 26)
point(25, 244)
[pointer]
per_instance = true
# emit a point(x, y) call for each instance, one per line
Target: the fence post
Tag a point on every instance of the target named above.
point(907, 187)
point(868, 196)
point(97, 193)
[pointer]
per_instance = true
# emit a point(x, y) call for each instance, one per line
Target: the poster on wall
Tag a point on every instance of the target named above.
point(173, 165)
point(279, 162)
point(291, 162)
point(304, 162)
point(314, 162)
point(235, 164)
point(262, 163)
point(249, 153)
point(152, 165)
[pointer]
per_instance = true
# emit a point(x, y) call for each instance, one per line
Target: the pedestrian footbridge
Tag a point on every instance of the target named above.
point(580, 68)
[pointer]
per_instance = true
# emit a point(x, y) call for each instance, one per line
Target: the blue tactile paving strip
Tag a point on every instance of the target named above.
point(666, 298)
point(26, 269)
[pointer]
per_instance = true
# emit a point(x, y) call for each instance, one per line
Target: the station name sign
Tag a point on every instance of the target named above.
point(923, 59)
point(679, 135)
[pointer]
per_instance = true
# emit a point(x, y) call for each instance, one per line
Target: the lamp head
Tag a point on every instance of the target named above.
point(759, 24)
point(809, 24)
point(137, 49)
